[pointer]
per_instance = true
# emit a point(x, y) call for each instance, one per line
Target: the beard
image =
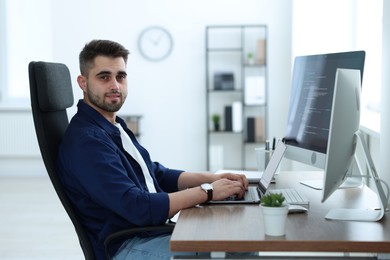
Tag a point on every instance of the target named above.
point(99, 101)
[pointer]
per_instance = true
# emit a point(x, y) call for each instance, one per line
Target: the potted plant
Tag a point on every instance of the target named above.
point(275, 212)
point(216, 121)
point(250, 58)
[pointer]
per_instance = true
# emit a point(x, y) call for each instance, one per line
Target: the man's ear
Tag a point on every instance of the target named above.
point(82, 81)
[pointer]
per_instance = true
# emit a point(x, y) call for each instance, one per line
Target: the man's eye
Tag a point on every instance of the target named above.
point(105, 77)
point(121, 77)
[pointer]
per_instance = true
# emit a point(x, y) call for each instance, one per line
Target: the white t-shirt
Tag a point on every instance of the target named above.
point(133, 151)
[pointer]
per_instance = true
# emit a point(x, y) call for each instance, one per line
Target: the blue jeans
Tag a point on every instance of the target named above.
point(156, 247)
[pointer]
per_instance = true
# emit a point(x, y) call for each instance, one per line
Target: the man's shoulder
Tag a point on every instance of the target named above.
point(79, 129)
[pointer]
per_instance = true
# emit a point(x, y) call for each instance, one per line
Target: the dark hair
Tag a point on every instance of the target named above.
point(100, 48)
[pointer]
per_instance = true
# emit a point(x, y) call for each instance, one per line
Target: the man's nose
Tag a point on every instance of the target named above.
point(115, 84)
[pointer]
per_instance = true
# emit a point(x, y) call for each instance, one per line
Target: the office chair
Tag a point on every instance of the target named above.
point(51, 94)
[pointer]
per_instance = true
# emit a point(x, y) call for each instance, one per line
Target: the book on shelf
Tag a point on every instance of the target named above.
point(233, 117)
point(255, 129)
point(228, 118)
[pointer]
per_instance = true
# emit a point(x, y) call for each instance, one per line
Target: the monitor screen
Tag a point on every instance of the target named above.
point(310, 106)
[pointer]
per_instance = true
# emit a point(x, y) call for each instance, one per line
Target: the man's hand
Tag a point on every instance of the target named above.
point(226, 187)
point(234, 177)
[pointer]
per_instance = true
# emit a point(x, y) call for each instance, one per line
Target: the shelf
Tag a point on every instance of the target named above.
point(224, 50)
point(254, 65)
point(224, 132)
point(237, 91)
point(132, 122)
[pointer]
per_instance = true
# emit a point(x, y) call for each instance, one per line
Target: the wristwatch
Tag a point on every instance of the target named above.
point(208, 188)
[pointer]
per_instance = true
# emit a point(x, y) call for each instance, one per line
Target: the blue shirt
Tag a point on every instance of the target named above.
point(105, 184)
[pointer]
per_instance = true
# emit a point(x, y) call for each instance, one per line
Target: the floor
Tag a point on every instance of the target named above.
point(33, 223)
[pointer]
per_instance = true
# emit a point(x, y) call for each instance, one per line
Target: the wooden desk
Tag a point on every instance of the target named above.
point(239, 228)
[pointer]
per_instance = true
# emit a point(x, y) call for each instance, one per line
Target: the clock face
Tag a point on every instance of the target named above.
point(155, 43)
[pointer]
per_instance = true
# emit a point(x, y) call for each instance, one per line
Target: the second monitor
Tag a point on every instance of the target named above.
point(310, 106)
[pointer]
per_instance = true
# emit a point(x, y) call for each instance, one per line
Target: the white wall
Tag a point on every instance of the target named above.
point(170, 94)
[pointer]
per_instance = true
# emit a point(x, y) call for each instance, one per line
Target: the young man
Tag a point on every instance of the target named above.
point(110, 178)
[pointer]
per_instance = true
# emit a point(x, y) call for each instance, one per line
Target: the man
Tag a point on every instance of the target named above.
point(110, 178)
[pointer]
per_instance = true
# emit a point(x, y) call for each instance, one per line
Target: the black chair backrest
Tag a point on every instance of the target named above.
point(51, 94)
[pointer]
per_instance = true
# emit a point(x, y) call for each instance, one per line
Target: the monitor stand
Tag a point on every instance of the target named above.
point(351, 181)
point(364, 214)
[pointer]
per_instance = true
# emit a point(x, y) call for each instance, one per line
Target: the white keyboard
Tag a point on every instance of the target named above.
point(292, 196)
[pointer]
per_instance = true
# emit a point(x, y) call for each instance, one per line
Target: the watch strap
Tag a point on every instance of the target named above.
point(209, 195)
point(208, 188)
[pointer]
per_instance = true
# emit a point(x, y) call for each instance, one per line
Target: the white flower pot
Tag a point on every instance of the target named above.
point(275, 219)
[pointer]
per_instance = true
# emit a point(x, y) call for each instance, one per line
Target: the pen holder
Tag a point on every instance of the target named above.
point(262, 158)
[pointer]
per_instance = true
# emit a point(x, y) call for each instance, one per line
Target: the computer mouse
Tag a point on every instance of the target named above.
point(296, 209)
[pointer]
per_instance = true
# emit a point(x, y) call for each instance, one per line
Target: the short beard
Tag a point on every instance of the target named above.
point(109, 107)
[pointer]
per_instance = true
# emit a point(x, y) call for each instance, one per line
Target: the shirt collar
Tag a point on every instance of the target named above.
point(86, 110)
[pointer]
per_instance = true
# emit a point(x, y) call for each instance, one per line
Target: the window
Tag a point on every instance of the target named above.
point(369, 37)
point(335, 26)
point(22, 40)
point(2, 49)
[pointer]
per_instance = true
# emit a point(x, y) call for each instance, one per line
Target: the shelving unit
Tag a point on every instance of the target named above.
point(133, 123)
point(237, 90)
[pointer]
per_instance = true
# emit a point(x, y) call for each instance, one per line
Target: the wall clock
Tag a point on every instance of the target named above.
point(155, 43)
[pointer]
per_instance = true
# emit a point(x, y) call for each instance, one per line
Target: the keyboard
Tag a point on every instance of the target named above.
point(292, 196)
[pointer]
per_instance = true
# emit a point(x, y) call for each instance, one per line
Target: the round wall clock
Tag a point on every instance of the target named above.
point(155, 43)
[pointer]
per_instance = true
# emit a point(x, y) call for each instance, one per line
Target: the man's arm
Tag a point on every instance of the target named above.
point(190, 194)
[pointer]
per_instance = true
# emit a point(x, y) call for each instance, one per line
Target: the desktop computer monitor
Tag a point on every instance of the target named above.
point(310, 106)
point(323, 124)
point(343, 125)
point(344, 136)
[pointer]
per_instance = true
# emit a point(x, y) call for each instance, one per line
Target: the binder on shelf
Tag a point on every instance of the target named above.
point(259, 129)
point(250, 126)
point(237, 116)
point(228, 118)
point(255, 90)
point(255, 130)
point(260, 51)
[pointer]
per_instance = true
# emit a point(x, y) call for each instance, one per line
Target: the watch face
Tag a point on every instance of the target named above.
point(155, 43)
point(206, 186)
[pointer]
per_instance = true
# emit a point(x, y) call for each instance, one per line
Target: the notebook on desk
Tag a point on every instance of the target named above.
point(254, 193)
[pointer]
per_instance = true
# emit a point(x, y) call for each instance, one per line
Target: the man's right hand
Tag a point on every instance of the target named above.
point(224, 188)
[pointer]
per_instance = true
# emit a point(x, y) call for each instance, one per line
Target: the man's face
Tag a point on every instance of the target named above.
point(105, 87)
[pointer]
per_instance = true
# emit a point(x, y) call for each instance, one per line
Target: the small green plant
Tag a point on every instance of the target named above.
point(273, 200)
point(216, 121)
point(216, 118)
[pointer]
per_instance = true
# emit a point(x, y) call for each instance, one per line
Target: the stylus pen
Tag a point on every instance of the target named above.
point(267, 154)
point(273, 144)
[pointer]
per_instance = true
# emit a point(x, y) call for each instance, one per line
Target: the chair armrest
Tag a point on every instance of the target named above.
point(127, 232)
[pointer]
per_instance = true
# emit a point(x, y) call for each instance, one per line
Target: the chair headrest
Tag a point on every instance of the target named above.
point(54, 86)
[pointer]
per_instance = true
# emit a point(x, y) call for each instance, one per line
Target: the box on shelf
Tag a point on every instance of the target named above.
point(260, 51)
point(223, 81)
